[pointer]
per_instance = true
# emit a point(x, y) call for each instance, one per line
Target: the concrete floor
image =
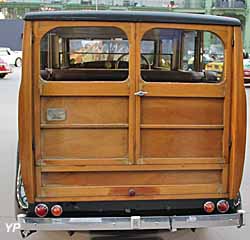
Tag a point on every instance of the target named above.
point(8, 143)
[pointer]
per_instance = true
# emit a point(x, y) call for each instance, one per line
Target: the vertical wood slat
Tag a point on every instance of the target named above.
point(36, 96)
point(238, 121)
point(138, 160)
point(227, 99)
point(132, 86)
point(26, 117)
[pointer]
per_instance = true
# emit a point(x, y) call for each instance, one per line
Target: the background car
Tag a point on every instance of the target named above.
point(11, 57)
point(246, 70)
point(4, 68)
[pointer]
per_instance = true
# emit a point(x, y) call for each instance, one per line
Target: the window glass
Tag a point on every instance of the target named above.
point(85, 54)
point(182, 56)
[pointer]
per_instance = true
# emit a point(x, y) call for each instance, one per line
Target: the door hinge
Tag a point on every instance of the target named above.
point(232, 42)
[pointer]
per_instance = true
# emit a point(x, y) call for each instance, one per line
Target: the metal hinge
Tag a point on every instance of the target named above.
point(232, 42)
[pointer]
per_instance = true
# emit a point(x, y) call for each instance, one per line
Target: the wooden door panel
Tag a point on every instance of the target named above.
point(84, 143)
point(181, 111)
point(181, 143)
point(132, 178)
point(94, 130)
point(87, 110)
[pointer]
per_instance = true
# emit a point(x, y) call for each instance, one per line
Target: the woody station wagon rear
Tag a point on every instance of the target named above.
point(124, 124)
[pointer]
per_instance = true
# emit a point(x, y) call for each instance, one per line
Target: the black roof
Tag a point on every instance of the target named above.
point(131, 16)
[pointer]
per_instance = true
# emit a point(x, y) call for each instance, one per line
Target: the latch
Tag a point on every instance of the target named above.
point(140, 93)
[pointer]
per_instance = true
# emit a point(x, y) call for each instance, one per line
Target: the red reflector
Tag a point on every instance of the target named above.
point(56, 210)
point(41, 210)
point(209, 207)
point(223, 206)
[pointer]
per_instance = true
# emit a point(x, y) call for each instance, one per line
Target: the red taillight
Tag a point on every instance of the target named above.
point(223, 206)
point(56, 210)
point(41, 210)
point(209, 207)
point(3, 67)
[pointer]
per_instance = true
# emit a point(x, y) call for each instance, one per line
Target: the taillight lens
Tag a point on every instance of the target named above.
point(3, 67)
point(223, 206)
point(41, 210)
point(209, 207)
point(56, 210)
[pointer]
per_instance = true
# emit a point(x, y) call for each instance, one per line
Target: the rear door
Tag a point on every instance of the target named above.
point(182, 110)
point(84, 108)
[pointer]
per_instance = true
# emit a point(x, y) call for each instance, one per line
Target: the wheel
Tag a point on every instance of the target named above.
point(2, 75)
point(18, 62)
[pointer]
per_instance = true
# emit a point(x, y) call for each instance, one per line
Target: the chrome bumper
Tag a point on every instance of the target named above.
point(130, 223)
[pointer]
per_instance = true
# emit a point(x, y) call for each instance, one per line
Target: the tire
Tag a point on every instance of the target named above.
point(2, 75)
point(18, 62)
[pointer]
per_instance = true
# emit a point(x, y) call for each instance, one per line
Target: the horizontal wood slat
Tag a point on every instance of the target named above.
point(82, 162)
point(132, 178)
point(121, 161)
point(127, 198)
point(82, 126)
point(133, 168)
point(201, 90)
point(84, 89)
point(123, 191)
point(172, 126)
point(180, 160)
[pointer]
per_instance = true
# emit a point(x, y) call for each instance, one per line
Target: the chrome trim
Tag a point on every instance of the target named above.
point(218, 220)
point(130, 223)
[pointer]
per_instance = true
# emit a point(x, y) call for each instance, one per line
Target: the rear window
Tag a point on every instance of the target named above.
point(85, 54)
point(182, 56)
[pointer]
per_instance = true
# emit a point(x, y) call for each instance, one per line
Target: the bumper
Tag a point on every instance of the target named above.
point(5, 72)
point(130, 223)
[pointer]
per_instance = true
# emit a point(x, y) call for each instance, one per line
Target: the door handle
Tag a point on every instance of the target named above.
point(140, 93)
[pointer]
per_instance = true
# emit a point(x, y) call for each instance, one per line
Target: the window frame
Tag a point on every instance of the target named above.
point(225, 33)
point(124, 29)
point(197, 53)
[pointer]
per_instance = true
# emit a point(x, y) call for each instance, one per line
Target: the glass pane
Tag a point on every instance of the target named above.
point(182, 56)
point(85, 54)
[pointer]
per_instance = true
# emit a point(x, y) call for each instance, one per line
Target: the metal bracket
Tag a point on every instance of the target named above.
point(242, 219)
point(135, 222)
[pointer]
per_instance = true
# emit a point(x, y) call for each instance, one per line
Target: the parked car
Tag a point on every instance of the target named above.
point(246, 70)
point(11, 57)
point(122, 140)
point(4, 68)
